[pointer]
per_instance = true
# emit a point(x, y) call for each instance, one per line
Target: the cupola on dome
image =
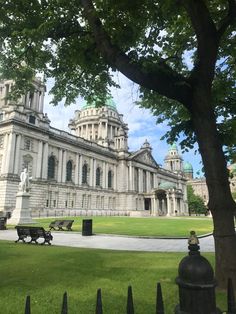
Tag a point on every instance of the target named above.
point(108, 103)
point(188, 168)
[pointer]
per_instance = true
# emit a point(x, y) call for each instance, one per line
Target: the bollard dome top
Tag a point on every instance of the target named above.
point(195, 270)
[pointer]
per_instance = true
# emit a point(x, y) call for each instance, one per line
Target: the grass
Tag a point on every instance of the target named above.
point(174, 227)
point(45, 272)
point(141, 226)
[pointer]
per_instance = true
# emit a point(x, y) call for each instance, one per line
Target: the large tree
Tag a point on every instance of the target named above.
point(80, 42)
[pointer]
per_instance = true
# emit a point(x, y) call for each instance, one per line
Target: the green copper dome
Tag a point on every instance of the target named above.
point(173, 147)
point(167, 185)
point(188, 168)
point(109, 103)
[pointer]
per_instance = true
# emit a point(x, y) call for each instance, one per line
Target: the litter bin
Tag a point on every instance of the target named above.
point(3, 221)
point(87, 227)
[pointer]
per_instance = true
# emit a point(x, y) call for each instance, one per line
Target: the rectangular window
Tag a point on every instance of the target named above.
point(28, 144)
point(32, 119)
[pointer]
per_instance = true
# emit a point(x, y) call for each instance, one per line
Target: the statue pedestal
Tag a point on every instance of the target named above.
point(21, 214)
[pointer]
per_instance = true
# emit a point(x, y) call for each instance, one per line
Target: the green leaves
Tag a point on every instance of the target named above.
point(195, 203)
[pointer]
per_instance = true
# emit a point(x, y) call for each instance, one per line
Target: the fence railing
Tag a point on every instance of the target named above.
point(130, 307)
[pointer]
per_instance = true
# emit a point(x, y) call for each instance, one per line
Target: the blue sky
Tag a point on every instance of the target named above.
point(142, 125)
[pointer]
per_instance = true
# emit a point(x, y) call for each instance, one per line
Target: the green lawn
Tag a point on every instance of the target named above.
point(45, 272)
point(141, 226)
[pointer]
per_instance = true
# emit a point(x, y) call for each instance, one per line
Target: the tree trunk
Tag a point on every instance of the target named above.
point(221, 203)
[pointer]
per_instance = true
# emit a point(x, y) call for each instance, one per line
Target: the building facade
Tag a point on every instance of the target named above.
point(89, 168)
point(199, 184)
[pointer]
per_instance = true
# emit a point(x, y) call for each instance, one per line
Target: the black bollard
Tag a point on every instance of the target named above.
point(196, 284)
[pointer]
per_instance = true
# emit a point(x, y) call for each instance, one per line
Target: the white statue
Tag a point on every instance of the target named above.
point(24, 185)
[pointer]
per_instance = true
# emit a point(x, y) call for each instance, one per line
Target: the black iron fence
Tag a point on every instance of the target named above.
point(130, 307)
point(196, 285)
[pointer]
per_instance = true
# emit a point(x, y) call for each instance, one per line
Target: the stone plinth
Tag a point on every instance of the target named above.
point(21, 214)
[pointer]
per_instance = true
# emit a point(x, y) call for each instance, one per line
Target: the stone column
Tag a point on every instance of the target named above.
point(140, 177)
point(106, 130)
point(104, 177)
point(174, 202)
point(93, 133)
point(114, 177)
point(17, 154)
point(76, 168)
point(148, 181)
point(45, 161)
point(41, 102)
point(59, 167)
point(100, 129)
point(4, 155)
point(155, 183)
point(80, 169)
point(10, 153)
point(168, 205)
point(39, 160)
point(36, 102)
point(86, 136)
point(91, 173)
point(154, 212)
point(94, 172)
point(64, 159)
point(130, 177)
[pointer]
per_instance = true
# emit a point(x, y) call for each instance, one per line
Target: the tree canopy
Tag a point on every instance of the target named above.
point(154, 43)
point(180, 52)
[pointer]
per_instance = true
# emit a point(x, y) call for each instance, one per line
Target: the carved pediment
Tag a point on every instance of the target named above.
point(145, 157)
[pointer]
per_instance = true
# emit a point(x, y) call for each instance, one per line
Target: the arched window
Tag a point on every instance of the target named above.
point(51, 167)
point(85, 174)
point(109, 179)
point(69, 171)
point(98, 177)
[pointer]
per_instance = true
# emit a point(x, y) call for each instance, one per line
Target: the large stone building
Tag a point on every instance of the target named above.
point(199, 184)
point(88, 169)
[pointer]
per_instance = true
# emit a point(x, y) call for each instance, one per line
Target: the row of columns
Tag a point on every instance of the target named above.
point(37, 101)
point(79, 162)
point(11, 158)
point(165, 205)
point(104, 130)
point(11, 162)
point(140, 177)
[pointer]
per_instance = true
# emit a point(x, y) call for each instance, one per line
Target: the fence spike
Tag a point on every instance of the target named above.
point(99, 302)
point(159, 300)
point(130, 303)
point(231, 298)
point(27, 305)
point(64, 308)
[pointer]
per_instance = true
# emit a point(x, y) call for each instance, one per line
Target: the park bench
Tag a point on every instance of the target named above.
point(34, 233)
point(60, 224)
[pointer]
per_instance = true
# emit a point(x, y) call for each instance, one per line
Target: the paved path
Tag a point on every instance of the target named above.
point(75, 239)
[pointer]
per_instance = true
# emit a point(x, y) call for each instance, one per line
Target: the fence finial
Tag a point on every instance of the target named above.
point(159, 300)
point(64, 309)
point(130, 303)
point(231, 298)
point(99, 302)
point(27, 305)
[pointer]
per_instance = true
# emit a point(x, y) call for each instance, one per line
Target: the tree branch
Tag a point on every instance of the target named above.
point(207, 38)
point(160, 77)
point(229, 18)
